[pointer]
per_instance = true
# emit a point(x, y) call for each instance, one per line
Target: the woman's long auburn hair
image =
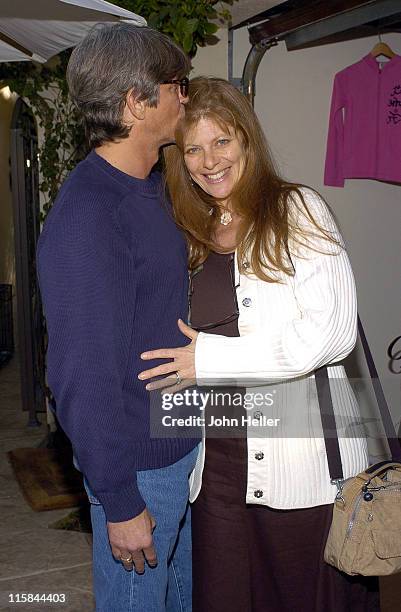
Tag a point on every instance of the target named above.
point(261, 197)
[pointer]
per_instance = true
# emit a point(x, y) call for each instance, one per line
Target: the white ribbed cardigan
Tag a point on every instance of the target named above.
point(287, 330)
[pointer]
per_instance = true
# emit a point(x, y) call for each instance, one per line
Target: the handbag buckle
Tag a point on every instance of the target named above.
point(339, 482)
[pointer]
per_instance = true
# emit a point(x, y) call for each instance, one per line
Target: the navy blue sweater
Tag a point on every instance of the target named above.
point(113, 276)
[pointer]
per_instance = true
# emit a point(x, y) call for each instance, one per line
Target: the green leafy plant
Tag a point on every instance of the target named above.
point(44, 87)
point(191, 23)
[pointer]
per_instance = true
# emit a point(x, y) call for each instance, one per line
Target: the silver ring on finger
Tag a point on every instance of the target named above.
point(179, 379)
point(129, 560)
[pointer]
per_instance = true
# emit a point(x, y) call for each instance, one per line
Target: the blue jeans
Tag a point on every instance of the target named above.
point(168, 587)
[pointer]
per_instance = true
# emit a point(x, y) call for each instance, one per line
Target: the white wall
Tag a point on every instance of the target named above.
point(293, 93)
point(212, 60)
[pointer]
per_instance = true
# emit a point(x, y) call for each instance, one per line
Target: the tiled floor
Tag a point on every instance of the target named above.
point(36, 559)
point(33, 558)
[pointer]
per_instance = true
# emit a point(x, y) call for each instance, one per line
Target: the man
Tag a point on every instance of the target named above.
point(113, 277)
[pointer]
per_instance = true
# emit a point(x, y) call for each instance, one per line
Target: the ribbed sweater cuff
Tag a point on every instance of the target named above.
point(122, 505)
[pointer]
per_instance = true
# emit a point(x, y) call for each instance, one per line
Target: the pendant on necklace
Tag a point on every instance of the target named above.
point(226, 217)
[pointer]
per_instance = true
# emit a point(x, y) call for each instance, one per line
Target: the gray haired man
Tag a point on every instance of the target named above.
point(112, 269)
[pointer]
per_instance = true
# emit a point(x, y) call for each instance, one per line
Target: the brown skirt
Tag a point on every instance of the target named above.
point(249, 558)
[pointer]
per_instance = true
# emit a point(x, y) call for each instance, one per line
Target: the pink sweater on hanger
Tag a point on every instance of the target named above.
point(364, 139)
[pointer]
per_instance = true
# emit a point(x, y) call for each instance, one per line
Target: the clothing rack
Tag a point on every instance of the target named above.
point(308, 23)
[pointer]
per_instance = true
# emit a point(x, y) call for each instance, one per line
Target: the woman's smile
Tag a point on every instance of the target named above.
point(218, 177)
point(214, 157)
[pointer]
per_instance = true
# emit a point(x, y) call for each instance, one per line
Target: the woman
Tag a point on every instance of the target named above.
point(273, 289)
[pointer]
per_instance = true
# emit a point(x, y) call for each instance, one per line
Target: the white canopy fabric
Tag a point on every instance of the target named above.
point(37, 30)
point(10, 54)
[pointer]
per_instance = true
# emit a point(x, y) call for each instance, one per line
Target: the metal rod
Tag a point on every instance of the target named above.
point(230, 61)
point(252, 62)
point(230, 54)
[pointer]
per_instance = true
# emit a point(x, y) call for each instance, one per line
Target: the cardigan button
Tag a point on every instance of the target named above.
point(257, 414)
point(247, 302)
point(259, 455)
point(258, 493)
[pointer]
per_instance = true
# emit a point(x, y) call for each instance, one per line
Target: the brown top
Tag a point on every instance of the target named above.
point(213, 297)
point(214, 304)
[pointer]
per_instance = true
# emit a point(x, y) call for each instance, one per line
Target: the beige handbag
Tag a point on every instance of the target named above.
point(365, 534)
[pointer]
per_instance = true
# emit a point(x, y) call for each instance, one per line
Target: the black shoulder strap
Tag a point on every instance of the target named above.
point(328, 418)
point(328, 424)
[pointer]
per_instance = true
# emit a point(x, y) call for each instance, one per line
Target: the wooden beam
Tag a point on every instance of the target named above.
point(13, 43)
point(310, 13)
point(371, 12)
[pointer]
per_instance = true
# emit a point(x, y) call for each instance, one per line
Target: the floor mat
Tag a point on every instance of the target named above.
point(47, 478)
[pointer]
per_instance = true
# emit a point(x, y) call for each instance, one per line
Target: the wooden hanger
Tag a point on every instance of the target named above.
point(382, 48)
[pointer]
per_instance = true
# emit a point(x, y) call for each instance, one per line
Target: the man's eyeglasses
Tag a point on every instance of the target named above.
point(183, 83)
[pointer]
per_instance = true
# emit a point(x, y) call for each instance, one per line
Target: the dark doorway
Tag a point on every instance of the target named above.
point(25, 194)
